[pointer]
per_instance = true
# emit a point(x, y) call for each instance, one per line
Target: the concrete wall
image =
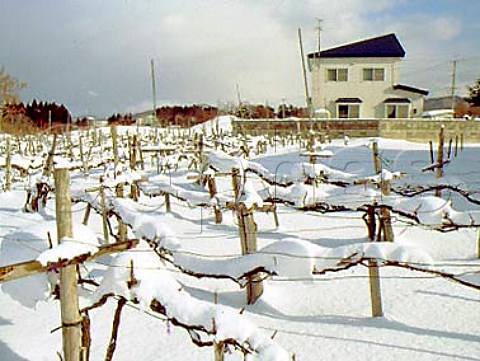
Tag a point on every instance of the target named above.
point(408, 129)
point(425, 130)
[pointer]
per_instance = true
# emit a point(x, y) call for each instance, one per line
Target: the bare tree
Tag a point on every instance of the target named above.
point(9, 88)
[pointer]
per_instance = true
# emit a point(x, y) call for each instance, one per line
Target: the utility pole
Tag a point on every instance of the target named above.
point(154, 95)
point(319, 30)
point(304, 69)
point(454, 75)
point(237, 88)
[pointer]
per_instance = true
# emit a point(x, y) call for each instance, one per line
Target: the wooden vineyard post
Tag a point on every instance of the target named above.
point(439, 171)
point(133, 151)
point(456, 146)
point(432, 159)
point(375, 293)
point(19, 145)
point(133, 163)
point(8, 165)
point(69, 144)
point(122, 227)
point(275, 217)
point(104, 211)
point(168, 206)
point(384, 217)
point(70, 314)
point(373, 271)
point(82, 156)
point(140, 153)
point(212, 190)
point(376, 159)
point(31, 148)
point(86, 216)
point(236, 184)
point(371, 222)
point(113, 132)
point(386, 230)
point(248, 237)
point(47, 170)
point(218, 346)
point(385, 186)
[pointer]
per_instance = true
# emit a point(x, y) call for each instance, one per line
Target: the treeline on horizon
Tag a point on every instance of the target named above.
point(41, 115)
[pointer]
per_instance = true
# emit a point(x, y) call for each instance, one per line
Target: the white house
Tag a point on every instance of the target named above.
point(361, 80)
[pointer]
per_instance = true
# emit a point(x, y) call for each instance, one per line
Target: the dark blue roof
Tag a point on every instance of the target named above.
point(385, 46)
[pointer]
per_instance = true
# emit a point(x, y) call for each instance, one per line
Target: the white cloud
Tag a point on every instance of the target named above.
point(203, 48)
point(446, 28)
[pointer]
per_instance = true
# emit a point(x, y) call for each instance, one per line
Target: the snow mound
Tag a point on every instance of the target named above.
point(144, 225)
point(154, 282)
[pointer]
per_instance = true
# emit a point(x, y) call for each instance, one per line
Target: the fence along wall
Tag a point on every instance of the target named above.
point(408, 129)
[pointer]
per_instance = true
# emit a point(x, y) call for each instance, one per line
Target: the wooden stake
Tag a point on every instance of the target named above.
point(133, 164)
point(70, 315)
point(69, 144)
point(86, 337)
point(113, 132)
point(371, 222)
point(30, 145)
point(275, 216)
point(248, 237)
point(236, 183)
point(439, 170)
point(86, 216)
point(375, 295)
point(82, 156)
point(47, 169)
point(140, 154)
point(456, 146)
point(386, 187)
point(104, 212)
point(112, 345)
point(376, 159)
point(8, 165)
point(218, 347)
point(432, 159)
point(218, 351)
point(133, 152)
point(168, 206)
point(212, 190)
point(386, 224)
point(122, 228)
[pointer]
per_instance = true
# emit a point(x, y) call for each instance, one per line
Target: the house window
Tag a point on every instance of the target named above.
point(349, 111)
point(373, 74)
point(337, 74)
point(397, 110)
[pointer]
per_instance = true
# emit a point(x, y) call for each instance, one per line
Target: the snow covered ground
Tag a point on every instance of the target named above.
point(313, 317)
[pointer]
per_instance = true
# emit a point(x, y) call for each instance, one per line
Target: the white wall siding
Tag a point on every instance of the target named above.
point(372, 93)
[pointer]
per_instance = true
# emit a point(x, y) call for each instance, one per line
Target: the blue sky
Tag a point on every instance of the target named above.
point(93, 56)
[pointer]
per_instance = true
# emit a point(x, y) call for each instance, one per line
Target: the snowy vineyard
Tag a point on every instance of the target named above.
point(198, 243)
